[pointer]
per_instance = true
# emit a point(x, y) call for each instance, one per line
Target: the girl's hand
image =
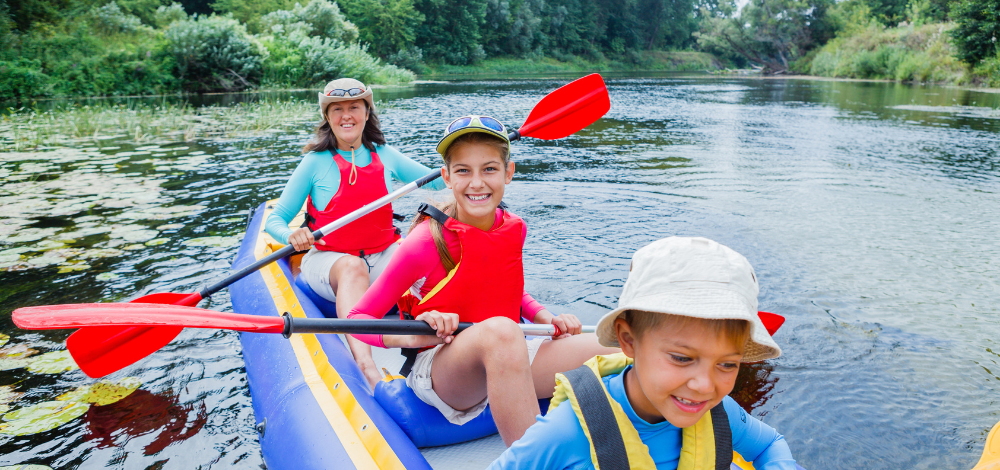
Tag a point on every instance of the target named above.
point(568, 324)
point(444, 323)
point(302, 239)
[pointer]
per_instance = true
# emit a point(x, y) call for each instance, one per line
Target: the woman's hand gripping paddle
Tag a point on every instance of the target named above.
point(96, 361)
point(559, 114)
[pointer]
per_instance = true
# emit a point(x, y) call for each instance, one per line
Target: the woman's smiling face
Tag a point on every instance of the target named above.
point(477, 176)
point(347, 120)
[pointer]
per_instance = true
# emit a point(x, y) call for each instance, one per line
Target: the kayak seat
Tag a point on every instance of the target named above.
point(424, 424)
point(329, 309)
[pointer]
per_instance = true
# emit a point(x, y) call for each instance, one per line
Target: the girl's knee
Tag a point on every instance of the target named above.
point(501, 332)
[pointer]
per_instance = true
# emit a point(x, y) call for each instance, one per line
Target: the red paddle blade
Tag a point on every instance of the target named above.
point(171, 298)
point(772, 321)
point(113, 336)
point(568, 109)
point(101, 350)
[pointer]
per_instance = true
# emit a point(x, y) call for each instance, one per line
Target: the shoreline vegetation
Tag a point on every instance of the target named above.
point(93, 48)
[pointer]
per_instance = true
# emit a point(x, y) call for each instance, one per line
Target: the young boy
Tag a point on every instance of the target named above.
point(685, 320)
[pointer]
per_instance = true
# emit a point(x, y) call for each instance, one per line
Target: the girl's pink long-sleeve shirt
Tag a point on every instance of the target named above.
point(416, 266)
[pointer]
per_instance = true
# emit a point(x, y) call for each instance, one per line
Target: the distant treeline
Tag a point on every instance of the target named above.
point(106, 47)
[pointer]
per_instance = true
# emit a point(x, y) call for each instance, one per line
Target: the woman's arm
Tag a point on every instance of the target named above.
point(756, 441)
point(291, 199)
point(406, 170)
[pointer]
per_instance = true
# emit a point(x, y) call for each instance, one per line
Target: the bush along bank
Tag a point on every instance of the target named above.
point(108, 51)
point(654, 61)
point(905, 53)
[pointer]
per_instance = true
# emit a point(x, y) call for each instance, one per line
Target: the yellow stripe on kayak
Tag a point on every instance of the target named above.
point(362, 440)
point(991, 451)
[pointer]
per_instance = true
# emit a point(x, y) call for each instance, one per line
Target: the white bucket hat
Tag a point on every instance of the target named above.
point(694, 277)
point(344, 86)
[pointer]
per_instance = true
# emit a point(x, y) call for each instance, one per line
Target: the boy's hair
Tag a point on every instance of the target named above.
point(640, 322)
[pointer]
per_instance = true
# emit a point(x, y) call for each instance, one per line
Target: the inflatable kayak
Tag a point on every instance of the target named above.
point(312, 405)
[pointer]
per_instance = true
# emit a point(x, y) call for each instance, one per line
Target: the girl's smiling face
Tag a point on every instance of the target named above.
point(347, 120)
point(679, 373)
point(477, 175)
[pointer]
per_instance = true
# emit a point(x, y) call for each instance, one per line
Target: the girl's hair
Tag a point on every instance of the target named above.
point(450, 207)
point(326, 140)
point(640, 322)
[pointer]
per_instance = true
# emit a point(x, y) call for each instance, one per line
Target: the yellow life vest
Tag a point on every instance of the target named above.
point(707, 445)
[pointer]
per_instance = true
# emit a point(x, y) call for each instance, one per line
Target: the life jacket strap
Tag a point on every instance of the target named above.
point(409, 353)
point(723, 438)
point(600, 418)
point(433, 212)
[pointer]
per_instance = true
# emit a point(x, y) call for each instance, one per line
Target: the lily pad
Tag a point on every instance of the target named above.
point(3, 339)
point(26, 467)
point(70, 268)
point(46, 245)
point(218, 242)
point(12, 254)
point(78, 394)
point(15, 363)
point(101, 253)
point(137, 246)
point(42, 417)
point(9, 395)
point(168, 227)
point(18, 351)
point(157, 241)
point(231, 220)
point(29, 235)
point(107, 392)
point(54, 362)
point(3, 409)
point(106, 276)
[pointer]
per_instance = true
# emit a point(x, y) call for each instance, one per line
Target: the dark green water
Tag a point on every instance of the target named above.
point(869, 210)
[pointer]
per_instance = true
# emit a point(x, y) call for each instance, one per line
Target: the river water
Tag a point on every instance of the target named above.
point(869, 211)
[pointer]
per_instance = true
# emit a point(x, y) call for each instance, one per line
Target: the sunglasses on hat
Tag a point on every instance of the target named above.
point(482, 121)
point(348, 92)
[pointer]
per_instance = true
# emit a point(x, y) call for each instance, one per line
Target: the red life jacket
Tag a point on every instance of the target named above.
point(489, 279)
point(372, 233)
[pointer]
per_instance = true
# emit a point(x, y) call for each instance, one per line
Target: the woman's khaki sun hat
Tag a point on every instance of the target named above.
point(344, 87)
point(694, 277)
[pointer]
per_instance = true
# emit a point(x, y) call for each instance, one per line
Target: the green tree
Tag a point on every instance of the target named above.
point(249, 11)
point(451, 30)
point(977, 33)
point(770, 33)
point(387, 26)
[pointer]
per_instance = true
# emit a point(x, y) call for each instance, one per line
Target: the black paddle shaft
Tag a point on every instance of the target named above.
point(295, 325)
point(289, 249)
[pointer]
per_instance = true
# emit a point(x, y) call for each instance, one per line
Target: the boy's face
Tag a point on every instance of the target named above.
point(679, 374)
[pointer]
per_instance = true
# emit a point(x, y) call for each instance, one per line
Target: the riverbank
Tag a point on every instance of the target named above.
point(907, 53)
point(652, 61)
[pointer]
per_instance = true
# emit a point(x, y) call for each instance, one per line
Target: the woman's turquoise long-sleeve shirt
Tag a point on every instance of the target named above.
point(317, 175)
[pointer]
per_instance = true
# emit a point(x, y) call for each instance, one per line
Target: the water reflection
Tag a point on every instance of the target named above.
point(143, 413)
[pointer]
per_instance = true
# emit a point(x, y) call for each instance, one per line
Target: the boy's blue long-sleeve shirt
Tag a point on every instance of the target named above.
point(557, 441)
point(317, 175)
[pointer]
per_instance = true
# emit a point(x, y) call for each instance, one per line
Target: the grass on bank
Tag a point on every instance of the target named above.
point(25, 129)
point(907, 53)
point(666, 61)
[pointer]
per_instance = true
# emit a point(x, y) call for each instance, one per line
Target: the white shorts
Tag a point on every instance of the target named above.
point(419, 381)
point(316, 266)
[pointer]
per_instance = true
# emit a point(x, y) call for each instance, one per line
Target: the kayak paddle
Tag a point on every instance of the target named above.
point(98, 360)
point(561, 113)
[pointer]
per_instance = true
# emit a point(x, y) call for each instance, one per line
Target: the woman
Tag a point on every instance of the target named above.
point(466, 265)
point(345, 166)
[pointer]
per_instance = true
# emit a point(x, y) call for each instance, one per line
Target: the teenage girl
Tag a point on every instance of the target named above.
point(462, 262)
point(346, 165)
